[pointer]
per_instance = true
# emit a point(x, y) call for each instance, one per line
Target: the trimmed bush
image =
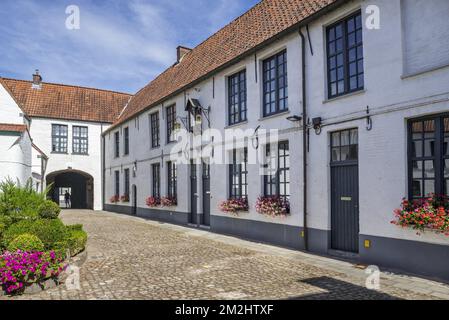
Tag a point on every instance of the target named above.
point(77, 241)
point(75, 227)
point(26, 242)
point(50, 232)
point(48, 210)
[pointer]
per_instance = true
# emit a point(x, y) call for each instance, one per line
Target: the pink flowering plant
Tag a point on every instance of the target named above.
point(114, 199)
point(429, 213)
point(124, 198)
point(169, 202)
point(273, 206)
point(234, 206)
point(21, 269)
point(153, 202)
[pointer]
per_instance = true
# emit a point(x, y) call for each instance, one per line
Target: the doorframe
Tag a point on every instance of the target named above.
point(204, 163)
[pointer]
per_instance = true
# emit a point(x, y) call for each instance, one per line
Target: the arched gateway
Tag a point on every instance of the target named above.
point(79, 184)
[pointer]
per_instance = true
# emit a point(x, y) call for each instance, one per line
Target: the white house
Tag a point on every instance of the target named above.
point(52, 133)
point(358, 93)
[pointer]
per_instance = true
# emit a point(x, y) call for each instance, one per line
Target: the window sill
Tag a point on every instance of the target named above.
point(275, 115)
point(236, 124)
point(80, 154)
point(54, 152)
point(351, 94)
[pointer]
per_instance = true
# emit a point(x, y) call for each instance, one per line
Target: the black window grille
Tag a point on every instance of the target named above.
point(80, 140)
point(238, 174)
point(237, 97)
point(277, 177)
point(154, 124)
point(59, 134)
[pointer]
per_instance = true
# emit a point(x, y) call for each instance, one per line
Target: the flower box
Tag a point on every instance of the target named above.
point(431, 213)
point(114, 199)
point(234, 206)
point(124, 198)
point(153, 202)
point(273, 206)
point(169, 202)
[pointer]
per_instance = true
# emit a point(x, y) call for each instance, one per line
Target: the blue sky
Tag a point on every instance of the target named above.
point(121, 44)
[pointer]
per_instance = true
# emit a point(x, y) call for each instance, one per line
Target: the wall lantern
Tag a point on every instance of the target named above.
point(135, 169)
point(316, 122)
point(196, 111)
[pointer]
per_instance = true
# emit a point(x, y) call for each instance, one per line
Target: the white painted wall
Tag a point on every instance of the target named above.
point(91, 163)
point(10, 112)
point(15, 157)
point(382, 151)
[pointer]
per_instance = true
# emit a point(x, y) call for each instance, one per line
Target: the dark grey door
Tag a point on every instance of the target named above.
point(206, 194)
point(345, 191)
point(193, 218)
point(134, 200)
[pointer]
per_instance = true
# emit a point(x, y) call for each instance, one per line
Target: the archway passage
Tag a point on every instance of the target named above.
point(78, 184)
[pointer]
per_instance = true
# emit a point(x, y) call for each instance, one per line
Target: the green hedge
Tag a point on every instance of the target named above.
point(48, 210)
point(53, 233)
point(76, 241)
point(26, 242)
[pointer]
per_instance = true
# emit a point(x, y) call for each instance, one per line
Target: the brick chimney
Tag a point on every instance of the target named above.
point(181, 52)
point(37, 80)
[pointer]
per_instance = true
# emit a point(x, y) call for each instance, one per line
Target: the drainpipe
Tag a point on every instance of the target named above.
point(304, 137)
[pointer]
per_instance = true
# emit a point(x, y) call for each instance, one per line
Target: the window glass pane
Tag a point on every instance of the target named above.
point(429, 187)
point(354, 136)
point(417, 169)
point(417, 188)
point(336, 154)
point(344, 153)
point(429, 170)
point(429, 148)
point(429, 129)
point(345, 138)
point(417, 148)
point(336, 139)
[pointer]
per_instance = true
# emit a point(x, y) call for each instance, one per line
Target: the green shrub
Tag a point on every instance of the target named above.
point(48, 210)
point(20, 202)
point(75, 227)
point(76, 241)
point(26, 242)
point(50, 232)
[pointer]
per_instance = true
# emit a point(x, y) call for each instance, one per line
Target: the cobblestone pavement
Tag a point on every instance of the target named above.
point(131, 258)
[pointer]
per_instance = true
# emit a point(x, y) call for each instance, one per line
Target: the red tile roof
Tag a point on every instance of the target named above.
point(13, 127)
point(256, 27)
point(67, 102)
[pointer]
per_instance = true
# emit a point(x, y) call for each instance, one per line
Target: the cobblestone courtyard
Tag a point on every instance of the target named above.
point(131, 258)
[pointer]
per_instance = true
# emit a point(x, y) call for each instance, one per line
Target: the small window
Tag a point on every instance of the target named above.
point(80, 140)
point(237, 97)
point(344, 145)
point(277, 177)
point(238, 174)
point(59, 134)
point(126, 141)
point(117, 183)
point(345, 72)
point(275, 84)
point(154, 125)
point(172, 179)
point(117, 144)
point(126, 182)
point(156, 175)
point(171, 121)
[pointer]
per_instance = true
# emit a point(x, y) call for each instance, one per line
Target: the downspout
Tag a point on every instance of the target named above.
point(304, 137)
point(103, 169)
